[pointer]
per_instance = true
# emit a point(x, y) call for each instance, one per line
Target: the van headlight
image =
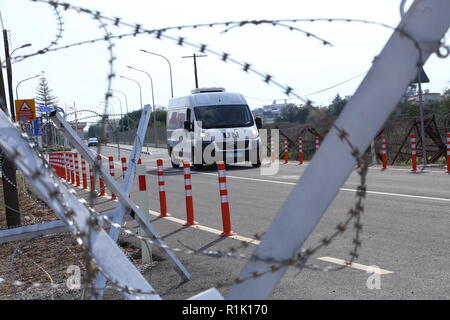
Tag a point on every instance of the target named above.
point(204, 135)
point(254, 133)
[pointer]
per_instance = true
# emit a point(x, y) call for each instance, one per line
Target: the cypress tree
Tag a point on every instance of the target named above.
point(44, 95)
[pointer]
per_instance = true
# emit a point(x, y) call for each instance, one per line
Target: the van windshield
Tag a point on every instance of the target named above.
point(224, 116)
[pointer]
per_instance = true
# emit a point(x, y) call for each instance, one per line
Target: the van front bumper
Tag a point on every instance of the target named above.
point(229, 151)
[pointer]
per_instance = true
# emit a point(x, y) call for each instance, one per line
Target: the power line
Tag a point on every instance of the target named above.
point(336, 85)
point(312, 93)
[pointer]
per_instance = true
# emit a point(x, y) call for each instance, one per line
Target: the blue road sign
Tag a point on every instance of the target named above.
point(38, 125)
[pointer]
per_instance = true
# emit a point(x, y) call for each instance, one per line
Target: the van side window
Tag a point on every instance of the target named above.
point(181, 118)
point(188, 115)
point(173, 120)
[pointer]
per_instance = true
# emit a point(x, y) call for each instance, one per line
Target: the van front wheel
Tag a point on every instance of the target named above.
point(257, 164)
point(174, 165)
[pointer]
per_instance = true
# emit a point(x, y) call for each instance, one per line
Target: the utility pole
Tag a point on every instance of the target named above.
point(195, 66)
point(11, 198)
point(9, 75)
point(422, 126)
point(422, 78)
point(76, 120)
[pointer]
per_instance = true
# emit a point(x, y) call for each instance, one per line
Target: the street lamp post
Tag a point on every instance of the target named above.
point(21, 47)
point(153, 102)
point(140, 89)
point(140, 92)
point(170, 67)
point(121, 114)
point(9, 71)
point(117, 134)
point(128, 116)
point(125, 96)
point(17, 86)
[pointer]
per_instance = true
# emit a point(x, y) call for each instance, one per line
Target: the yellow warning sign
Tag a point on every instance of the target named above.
point(25, 110)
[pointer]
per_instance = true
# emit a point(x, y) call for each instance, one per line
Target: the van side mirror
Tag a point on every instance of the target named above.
point(258, 122)
point(187, 126)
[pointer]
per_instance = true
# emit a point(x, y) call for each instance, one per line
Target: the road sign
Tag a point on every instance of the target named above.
point(32, 128)
point(38, 126)
point(25, 110)
point(423, 78)
point(46, 109)
point(27, 126)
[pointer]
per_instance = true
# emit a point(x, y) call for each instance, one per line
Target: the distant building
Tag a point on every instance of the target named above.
point(78, 127)
point(412, 95)
point(269, 113)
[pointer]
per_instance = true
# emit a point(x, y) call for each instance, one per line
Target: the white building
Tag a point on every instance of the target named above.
point(269, 113)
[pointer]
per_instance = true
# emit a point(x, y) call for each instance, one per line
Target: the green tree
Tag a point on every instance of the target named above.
point(93, 131)
point(288, 113)
point(44, 95)
point(336, 106)
point(293, 113)
point(134, 117)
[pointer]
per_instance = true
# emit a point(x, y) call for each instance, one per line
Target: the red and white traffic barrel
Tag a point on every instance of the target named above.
point(51, 159)
point(161, 189)
point(101, 182)
point(83, 172)
point(77, 170)
point(448, 152)
point(413, 153)
point(72, 171)
point(317, 142)
point(111, 172)
point(124, 166)
point(91, 178)
point(383, 152)
point(286, 150)
point(67, 165)
point(300, 150)
point(142, 194)
point(188, 194)
point(224, 205)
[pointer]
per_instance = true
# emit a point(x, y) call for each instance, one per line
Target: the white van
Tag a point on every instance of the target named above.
point(212, 125)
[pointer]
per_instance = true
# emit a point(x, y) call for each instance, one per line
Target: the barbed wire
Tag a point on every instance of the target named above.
point(225, 57)
point(211, 253)
point(55, 193)
point(8, 180)
point(298, 260)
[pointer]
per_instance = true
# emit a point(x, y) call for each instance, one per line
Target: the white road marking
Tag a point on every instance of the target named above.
point(401, 195)
point(355, 265)
point(198, 226)
point(257, 242)
point(342, 189)
point(207, 229)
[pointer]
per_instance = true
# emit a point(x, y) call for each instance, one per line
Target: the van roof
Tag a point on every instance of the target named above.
point(207, 98)
point(204, 90)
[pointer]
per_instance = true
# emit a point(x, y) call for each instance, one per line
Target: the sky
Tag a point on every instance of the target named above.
point(78, 75)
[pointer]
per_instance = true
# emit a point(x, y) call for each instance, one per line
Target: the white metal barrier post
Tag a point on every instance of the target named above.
point(392, 71)
point(143, 202)
point(114, 187)
point(69, 209)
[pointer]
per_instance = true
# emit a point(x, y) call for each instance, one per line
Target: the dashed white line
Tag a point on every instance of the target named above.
point(342, 189)
point(371, 269)
point(353, 265)
point(207, 229)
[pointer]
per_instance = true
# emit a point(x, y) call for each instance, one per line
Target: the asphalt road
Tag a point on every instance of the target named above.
point(405, 231)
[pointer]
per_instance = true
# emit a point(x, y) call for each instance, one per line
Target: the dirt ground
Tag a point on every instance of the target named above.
point(38, 268)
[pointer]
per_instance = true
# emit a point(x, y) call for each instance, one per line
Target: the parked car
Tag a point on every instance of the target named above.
point(92, 142)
